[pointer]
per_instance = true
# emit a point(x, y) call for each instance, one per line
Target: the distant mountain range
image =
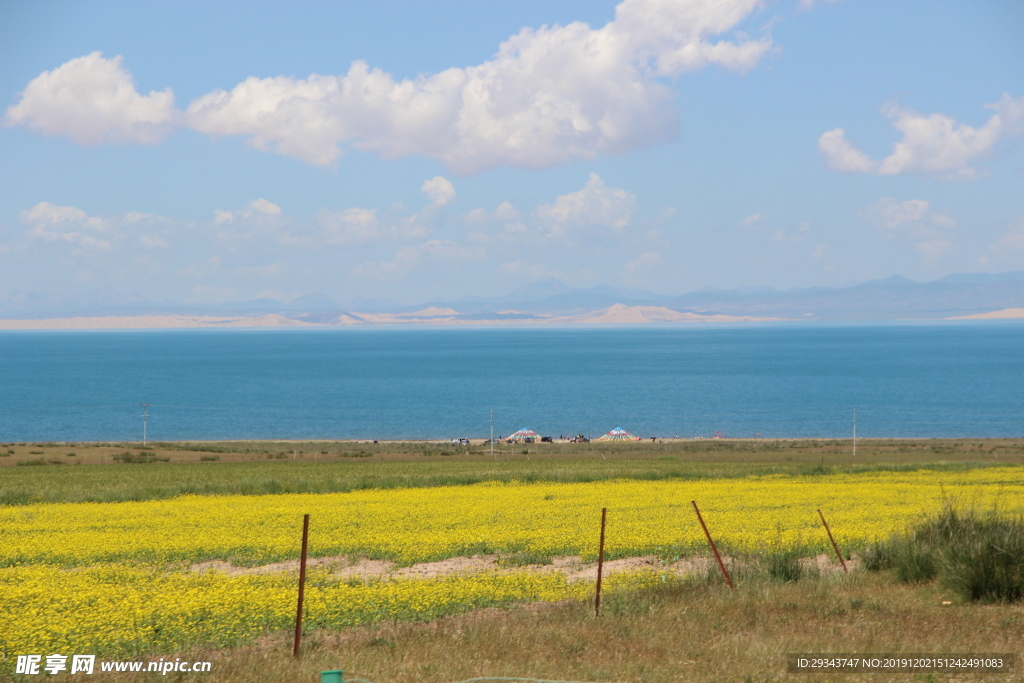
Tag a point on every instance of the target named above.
point(894, 298)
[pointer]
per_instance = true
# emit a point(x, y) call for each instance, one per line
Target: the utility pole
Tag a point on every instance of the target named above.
point(145, 416)
point(492, 432)
point(855, 432)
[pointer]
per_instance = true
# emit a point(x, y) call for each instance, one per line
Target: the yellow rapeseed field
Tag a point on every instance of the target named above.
point(113, 577)
point(421, 524)
point(117, 609)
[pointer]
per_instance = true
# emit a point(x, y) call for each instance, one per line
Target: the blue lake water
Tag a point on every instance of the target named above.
point(798, 380)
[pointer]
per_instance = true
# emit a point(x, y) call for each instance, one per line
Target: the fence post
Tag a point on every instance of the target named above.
point(600, 564)
point(302, 585)
point(721, 565)
point(834, 545)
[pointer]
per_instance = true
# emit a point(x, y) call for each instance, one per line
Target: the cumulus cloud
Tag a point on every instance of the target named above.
point(439, 190)
point(505, 212)
point(51, 223)
point(265, 271)
point(350, 226)
point(933, 144)
point(809, 4)
point(549, 95)
point(795, 234)
point(840, 155)
point(408, 257)
point(913, 220)
point(643, 263)
point(263, 206)
point(910, 219)
point(93, 101)
point(752, 221)
point(1012, 240)
point(203, 269)
point(506, 216)
point(596, 205)
point(641, 271)
point(153, 242)
point(256, 208)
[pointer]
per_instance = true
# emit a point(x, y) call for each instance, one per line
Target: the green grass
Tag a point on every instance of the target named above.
point(677, 632)
point(979, 555)
point(127, 480)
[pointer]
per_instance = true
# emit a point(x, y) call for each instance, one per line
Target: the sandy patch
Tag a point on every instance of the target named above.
point(828, 564)
point(572, 567)
point(453, 565)
point(1003, 314)
point(589, 571)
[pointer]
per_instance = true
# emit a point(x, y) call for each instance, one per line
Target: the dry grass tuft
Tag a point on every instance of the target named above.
point(684, 631)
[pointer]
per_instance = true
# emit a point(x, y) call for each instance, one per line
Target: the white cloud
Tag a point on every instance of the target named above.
point(596, 205)
point(213, 294)
point(643, 263)
point(51, 223)
point(840, 155)
point(753, 220)
point(756, 223)
point(643, 270)
point(532, 271)
point(933, 144)
point(153, 242)
point(505, 212)
point(265, 271)
point(797, 234)
point(932, 251)
point(350, 226)
point(911, 219)
point(133, 217)
point(439, 190)
point(1012, 239)
point(408, 257)
point(257, 207)
point(263, 206)
point(93, 101)
point(549, 95)
point(203, 269)
point(809, 4)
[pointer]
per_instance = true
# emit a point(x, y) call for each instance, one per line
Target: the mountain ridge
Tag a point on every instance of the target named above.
point(958, 295)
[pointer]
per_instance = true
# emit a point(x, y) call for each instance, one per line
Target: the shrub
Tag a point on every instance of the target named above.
point(980, 556)
point(987, 562)
point(143, 457)
point(784, 565)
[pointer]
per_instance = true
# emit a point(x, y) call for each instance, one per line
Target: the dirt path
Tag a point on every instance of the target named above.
point(573, 567)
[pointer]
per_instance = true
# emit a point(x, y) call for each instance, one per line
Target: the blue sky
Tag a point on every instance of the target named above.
point(210, 152)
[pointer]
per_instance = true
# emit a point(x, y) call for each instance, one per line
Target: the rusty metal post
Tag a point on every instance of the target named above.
point(834, 545)
point(302, 585)
point(600, 564)
point(721, 565)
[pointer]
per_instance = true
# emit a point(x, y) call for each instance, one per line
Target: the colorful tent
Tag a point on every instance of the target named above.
point(522, 435)
point(619, 434)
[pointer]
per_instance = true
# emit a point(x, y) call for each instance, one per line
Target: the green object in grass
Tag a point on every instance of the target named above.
point(336, 676)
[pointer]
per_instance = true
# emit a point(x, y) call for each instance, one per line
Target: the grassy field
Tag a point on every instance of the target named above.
point(41, 472)
point(120, 569)
point(700, 632)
